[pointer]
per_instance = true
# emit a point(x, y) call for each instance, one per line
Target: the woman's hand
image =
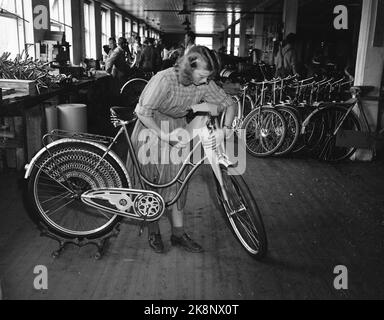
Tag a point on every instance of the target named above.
point(178, 138)
point(228, 132)
point(213, 109)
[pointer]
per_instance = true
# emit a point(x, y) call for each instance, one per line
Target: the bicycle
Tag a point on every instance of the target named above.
point(77, 187)
point(338, 120)
point(263, 128)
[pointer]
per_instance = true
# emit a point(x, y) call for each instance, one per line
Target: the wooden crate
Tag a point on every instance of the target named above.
point(24, 87)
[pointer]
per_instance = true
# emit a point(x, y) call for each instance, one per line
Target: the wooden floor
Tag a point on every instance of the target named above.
point(317, 216)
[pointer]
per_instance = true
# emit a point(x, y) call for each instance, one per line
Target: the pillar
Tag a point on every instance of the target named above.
point(290, 12)
point(258, 31)
point(77, 7)
point(243, 51)
point(99, 45)
point(370, 64)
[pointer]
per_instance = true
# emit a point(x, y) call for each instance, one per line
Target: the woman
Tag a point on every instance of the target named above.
point(162, 108)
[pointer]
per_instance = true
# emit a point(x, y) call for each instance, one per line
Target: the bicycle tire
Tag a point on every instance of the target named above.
point(327, 150)
point(51, 200)
point(248, 105)
point(246, 225)
point(238, 116)
point(264, 131)
point(313, 133)
point(131, 91)
point(293, 130)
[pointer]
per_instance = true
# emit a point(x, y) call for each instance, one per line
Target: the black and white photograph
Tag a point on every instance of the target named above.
point(190, 157)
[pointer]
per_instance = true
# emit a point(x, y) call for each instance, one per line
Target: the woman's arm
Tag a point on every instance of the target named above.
point(150, 123)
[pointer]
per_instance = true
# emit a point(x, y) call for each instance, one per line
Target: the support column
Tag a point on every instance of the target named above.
point(113, 25)
point(232, 34)
point(290, 12)
point(99, 53)
point(243, 50)
point(258, 31)
point(77, 7)
point(369, 66)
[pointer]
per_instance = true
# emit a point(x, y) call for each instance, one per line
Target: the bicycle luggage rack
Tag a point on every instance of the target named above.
point(61, 134)
point(100, 243)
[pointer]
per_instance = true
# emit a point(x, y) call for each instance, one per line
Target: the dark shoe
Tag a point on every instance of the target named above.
point(156, 243)
point(186, 243)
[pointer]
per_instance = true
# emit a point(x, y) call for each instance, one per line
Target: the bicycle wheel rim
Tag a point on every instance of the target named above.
point(58, 184)
point(292, 131)
point(246, 223)
point(265, 132)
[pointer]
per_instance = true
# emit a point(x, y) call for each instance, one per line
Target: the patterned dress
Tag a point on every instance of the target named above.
point(167, 101)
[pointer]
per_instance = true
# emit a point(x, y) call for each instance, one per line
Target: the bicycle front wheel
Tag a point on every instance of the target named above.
point(57, 181)
point(265, 131)
point(242, 214)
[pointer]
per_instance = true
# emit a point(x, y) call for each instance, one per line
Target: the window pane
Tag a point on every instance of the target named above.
point(237, 29)
point(9, 40)
point(8, 5)
point(237, 46)
point(228, 45)
point(118, 25)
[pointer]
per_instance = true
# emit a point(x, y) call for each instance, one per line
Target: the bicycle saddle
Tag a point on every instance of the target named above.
point(124, 114)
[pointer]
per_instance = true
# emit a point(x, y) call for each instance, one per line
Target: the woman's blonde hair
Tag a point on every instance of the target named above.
point(188, 63)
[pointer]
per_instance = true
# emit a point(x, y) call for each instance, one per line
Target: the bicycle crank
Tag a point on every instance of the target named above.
point(136, 204)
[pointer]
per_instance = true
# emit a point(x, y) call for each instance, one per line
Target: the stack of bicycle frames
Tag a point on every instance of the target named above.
point(285, 116)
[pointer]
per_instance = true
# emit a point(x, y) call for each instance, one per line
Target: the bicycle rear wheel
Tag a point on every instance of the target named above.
point(58, 180)
point(333, 117)
point(242, 214)
point(265, 131)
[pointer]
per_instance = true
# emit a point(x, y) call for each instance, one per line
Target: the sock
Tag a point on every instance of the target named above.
point(178, 231)
point(154, 228)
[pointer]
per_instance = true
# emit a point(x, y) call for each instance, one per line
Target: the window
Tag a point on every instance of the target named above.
point(89, 30)
point(128, 31)
point(60, 13)
point(105, 26)
point(205, 41)
point(19, 33)
point(118, 25)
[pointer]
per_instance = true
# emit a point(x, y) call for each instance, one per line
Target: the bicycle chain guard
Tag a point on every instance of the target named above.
point(135, 204)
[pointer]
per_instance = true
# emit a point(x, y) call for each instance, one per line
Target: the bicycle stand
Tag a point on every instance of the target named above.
point(100, 243)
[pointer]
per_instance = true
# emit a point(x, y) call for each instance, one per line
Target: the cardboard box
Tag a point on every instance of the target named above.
point(25, 87)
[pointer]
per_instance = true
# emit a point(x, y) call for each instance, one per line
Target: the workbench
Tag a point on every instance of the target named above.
point(26, 120)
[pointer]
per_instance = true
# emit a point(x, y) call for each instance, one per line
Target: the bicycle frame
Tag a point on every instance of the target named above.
point(144, 182)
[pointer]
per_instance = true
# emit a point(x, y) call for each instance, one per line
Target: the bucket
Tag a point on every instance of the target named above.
point(73, 117)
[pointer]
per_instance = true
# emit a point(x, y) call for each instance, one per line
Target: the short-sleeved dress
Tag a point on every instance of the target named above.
point(168, 102)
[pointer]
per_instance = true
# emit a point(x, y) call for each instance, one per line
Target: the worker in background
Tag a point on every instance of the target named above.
point(118, 66)
point(148, 56)
point(137, 50)
point(190, 38)
point(286, 58)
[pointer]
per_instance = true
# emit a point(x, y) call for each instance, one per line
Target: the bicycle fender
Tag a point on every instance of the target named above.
point(28, 168)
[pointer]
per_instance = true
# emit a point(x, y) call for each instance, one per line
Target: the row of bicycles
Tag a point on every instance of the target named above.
point(283, 116)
